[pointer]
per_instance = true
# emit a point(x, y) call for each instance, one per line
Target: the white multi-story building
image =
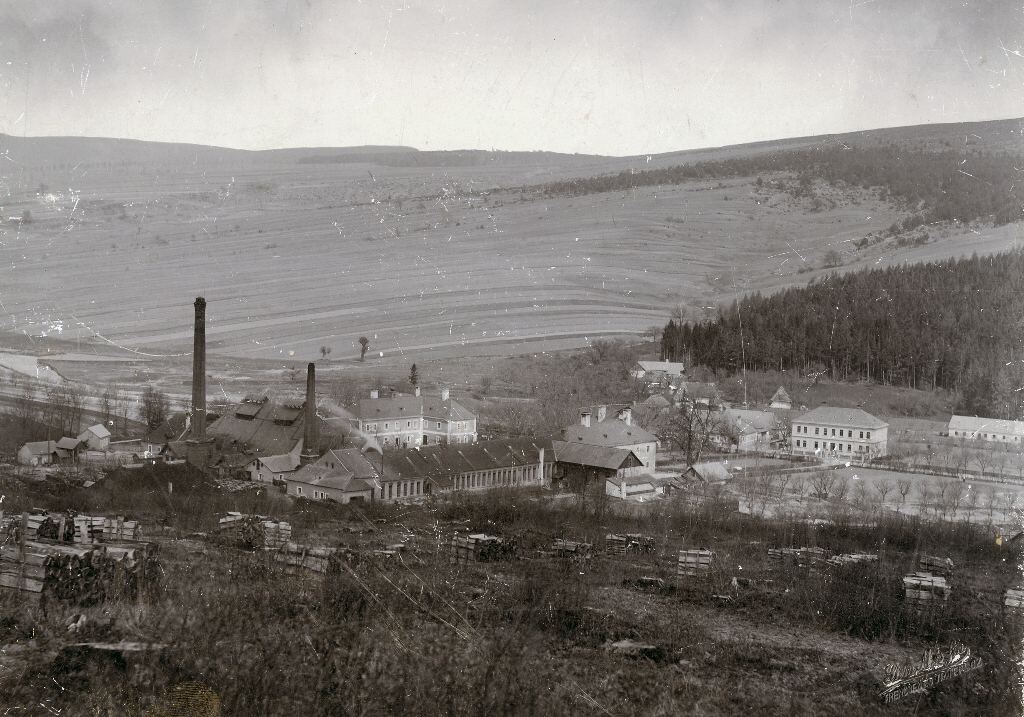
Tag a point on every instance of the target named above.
point(404, 421)
point(830, 432)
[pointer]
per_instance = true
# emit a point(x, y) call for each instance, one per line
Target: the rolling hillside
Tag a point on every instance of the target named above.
point(295, 249)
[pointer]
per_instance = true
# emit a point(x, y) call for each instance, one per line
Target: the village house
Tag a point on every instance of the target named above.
point(986, 429)
point(781, 400)
point(691, 393)
point(659, 374)
point(95, 438)
point(67, 449)
point(404, 421)
point(833, 432)
point(614, 432)
point(747, 431)
point(344, 475)
point(709, 472)
point(38, 453)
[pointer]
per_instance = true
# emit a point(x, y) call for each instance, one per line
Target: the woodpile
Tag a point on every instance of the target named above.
point(83, 574)
point(852, 559)
point(253, 532)
point(1014, 600)
point(935, 565)
point(308, 557)
point(628, 543)
point(923, 589)
point(82, 529)
point(695, 563)
point(480, 547)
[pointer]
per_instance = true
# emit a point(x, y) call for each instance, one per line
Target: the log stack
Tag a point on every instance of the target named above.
point(925, 589)
point(695, 563)
point(852, 559)
point(1014, 600)
point(570, 548)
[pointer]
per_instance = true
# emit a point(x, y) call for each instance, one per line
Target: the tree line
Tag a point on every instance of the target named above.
point(935, 186)
point(956, 324)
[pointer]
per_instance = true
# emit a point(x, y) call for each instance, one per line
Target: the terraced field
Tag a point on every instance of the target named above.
point(292, 256)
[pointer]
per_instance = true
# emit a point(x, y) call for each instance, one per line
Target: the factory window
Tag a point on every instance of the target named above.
point(815, 445)
point(816, 429)
point(869, 435)
point(862, 434)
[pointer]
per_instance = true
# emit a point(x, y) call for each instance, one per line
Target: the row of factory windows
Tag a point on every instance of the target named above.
point(832, 446)
point(460, 426)
point(503, 477)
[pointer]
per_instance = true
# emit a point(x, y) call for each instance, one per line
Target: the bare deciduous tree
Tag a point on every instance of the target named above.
point(821, 483)
point(903, 486)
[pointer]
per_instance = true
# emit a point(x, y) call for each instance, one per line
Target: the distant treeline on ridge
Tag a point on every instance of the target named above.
point(955, 324)
point(935, 186)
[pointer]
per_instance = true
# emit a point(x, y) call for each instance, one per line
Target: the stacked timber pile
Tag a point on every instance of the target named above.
point(1014, 600)
point(935, 565)
point(695, 563)
point(82, 529)
point(254, 532)
point(480, 548)
point(923, 589)
point(852, 559)
point(628, 543)
point(570, 548)
point(801, 557)
point(309, 557)
point(79, 574)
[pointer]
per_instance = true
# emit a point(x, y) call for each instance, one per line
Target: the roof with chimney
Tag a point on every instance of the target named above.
point(610, 432)
point(268, 427)
point(405, 406)
point(345, 469)
point(845, 417)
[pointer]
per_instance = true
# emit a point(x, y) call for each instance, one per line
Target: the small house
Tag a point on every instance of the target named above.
point(38, 453)
point(95, 438)
point(781, 399)
point(67, 449)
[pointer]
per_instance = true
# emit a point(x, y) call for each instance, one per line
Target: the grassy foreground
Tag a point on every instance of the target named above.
point(414, 634)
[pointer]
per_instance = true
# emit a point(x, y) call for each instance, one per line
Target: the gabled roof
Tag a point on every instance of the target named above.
point(833, 416)
point(583, 454)
point(345, 469)
point(781, 396)
point(404, 406)
point(975, 425)
point(68, 444)
point(281, 463)
point(274, 428)
point(610, 432)
point(441, 463)
point(41, 448)
point(713, 470)
point(672, 368)
point(747, 421)
point(657, 401)
point(696, 389)
point(99, 430)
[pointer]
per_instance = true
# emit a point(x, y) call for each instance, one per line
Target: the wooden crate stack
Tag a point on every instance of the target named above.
point(1014, 600)
point(570, 549)
point(253, 531)
point(923, 589)
point(628, 543)
point(695, 563)
point(480, 547)
point(935, 565)
point(852, 559)
point(812, 559)
point(308, 557)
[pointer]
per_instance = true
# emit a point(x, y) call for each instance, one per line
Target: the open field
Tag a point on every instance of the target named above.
point(527, 635)
point(443, 258)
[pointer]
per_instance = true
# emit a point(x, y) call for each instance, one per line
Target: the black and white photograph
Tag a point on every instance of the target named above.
point(535, 357)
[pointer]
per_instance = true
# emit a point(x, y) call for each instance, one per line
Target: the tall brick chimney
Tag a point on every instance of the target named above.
point(198, 429)
point(310, 425)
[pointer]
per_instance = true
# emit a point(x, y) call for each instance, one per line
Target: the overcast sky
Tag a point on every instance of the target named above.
point(611, 77)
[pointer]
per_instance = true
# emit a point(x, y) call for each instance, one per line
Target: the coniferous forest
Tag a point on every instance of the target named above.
point(955, 324)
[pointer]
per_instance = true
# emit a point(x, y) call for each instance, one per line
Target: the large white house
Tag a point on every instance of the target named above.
point(830, 432)
point(986, 429)
point(403, 421)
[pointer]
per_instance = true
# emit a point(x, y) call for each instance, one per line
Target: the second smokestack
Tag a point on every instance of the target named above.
point(198, 432)
point(311, 434)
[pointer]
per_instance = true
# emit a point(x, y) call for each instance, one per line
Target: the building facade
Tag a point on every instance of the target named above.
point(829, 432)
point(615, 432)
point(993, 430)
point(404, 421)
